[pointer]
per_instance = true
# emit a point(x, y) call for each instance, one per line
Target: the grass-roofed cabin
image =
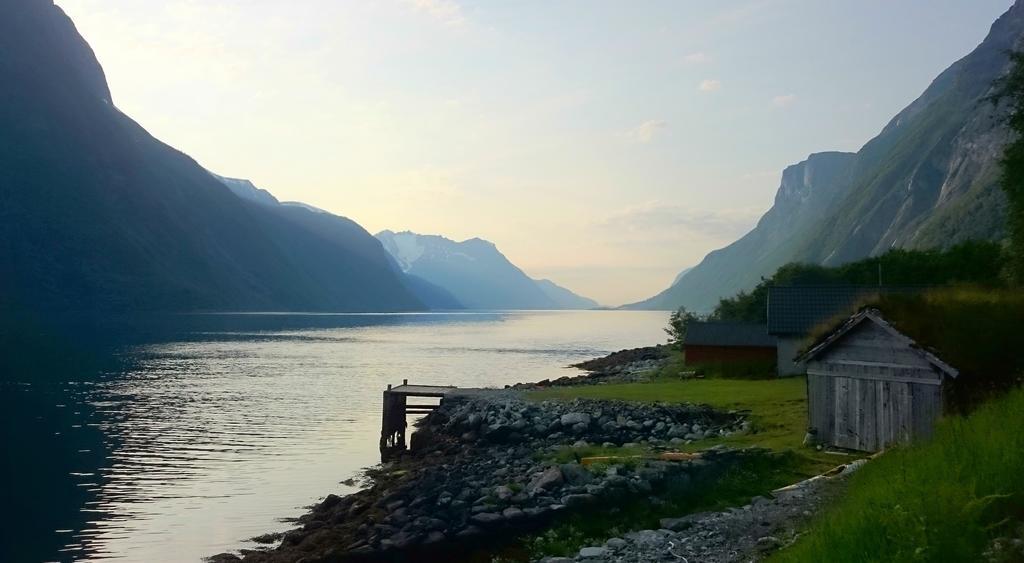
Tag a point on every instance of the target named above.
point(885, 374)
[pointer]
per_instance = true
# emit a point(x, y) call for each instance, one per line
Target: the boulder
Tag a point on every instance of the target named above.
point(548, 479)
point(616, 543)
point(574, 418)
point(486, 519)
point(575, 474)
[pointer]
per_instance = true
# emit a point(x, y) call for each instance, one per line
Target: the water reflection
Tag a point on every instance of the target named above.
point(200, 431)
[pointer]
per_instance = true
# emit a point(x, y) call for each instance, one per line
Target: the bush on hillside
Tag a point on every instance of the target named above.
point(972, 262)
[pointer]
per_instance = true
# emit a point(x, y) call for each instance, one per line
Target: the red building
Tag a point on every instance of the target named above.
point(712, 342)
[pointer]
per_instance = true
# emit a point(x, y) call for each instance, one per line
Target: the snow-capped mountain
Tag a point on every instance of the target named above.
point(476, 273)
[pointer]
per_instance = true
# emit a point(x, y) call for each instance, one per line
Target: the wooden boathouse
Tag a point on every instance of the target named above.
point(870, 386)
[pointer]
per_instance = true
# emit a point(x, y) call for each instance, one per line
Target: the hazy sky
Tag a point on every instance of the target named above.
point(605, 145)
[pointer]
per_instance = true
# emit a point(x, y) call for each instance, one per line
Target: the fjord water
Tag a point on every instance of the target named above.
point(192, 434)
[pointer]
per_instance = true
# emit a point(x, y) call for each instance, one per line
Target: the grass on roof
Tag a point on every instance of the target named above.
point(977, 331)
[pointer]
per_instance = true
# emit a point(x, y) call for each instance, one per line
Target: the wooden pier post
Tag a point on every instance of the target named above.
point(396, 409)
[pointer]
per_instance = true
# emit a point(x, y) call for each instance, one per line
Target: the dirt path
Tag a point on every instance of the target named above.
point(747, 533)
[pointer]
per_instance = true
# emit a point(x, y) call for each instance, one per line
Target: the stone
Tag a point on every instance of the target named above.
point(330, 502)
point(547, 479)
point(503, 492)
point(575, 418)
point(576, 474)
point(577, 500)
point(512, 513)
point(616, 543)
point(434, 537)
point(677, 431)
point(592, 552)
point(468, 532)
point(676, 524)
point(486, 518)
point(768, 543)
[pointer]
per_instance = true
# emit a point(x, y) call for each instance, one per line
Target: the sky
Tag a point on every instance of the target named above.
point(605, 145)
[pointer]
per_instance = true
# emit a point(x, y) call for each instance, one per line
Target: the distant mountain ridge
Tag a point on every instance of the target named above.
point(476, 273)
point(99, 216)
point(929, 179)
point(327, 224)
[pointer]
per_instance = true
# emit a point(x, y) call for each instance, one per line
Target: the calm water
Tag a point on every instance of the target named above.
point(210, 430)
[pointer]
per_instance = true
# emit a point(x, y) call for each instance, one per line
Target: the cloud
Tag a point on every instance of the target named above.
point(697, 58)
point(710, 85)
point(646, 131)
point(446, 11)
point(655, 220)
point(784, 100)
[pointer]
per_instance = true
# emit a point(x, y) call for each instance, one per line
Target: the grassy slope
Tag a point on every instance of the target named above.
point(937, 501)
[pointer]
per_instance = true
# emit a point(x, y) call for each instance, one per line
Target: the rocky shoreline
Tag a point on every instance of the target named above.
point(625, 366)
point(489, 466)
point(480, 469)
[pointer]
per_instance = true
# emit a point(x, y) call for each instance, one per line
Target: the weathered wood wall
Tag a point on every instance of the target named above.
point(870, 390)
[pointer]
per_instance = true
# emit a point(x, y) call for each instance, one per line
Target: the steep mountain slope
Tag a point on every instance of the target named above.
point(927, 180)
point(99, 216)
point(332, 229)
point(564, 298)
point(476, 273)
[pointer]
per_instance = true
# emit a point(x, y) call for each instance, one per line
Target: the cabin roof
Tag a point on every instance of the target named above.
point(728, 334)
point(841, 330)
point(795, 310)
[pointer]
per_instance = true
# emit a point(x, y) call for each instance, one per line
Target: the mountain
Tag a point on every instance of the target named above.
point(476, 273)
point(99, 216)
point(564, 298)
point(680, 275)
point(928, 180)
point(330, 226)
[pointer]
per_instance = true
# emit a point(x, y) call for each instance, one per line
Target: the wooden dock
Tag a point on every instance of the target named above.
point(397, 409)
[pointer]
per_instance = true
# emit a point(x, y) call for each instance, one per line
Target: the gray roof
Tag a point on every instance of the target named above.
point(875, 316)
point(797, 309)
point(728, 334)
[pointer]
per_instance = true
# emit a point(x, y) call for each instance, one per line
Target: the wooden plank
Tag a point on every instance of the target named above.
point(884, 414)
point(828, 370)
point(903, 410)
point(845, 423)
point(927, 406)
point(830, 415)
point(865, 415)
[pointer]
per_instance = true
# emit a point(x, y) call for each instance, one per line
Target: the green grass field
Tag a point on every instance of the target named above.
point(943, 500)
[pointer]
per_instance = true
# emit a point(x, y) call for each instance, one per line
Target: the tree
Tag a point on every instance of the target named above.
point(677, 324)
point(1011, 88)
